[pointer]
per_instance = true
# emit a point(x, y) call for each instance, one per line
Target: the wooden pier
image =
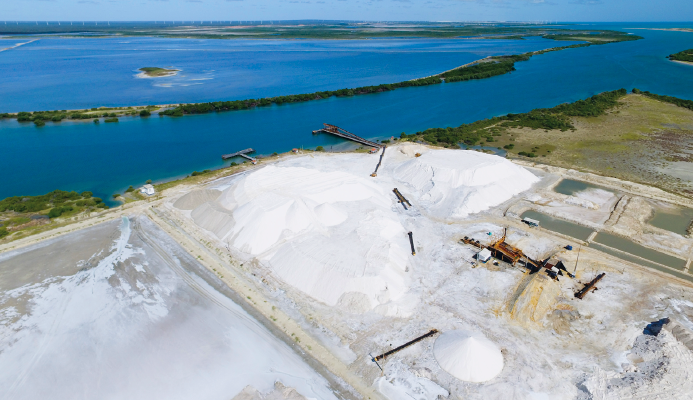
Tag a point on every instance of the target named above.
point(337, 131)
point(242, 153)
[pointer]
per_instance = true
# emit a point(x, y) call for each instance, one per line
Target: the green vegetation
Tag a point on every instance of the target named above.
point(130, 189)
point(202, 108)
point(156, 72)
point(544, 118)
point(58, 201)
point(319, 148)
point(145, 113)
point(39, 118)
point(195, 173)
point(58, 211)
point(32, 213)
point(667, 99)
point(686, 55)
point(595, 37)
point(110, 120)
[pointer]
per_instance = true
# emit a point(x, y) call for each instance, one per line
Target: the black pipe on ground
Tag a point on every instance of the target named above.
point(422, 337)
point(375, 173)
point(401, 198)
point(411, 241)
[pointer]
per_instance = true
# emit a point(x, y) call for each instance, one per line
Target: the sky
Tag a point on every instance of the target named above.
point(371, 10)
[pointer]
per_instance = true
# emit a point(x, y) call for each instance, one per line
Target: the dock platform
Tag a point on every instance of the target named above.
point(344, 134)
point(242, 153)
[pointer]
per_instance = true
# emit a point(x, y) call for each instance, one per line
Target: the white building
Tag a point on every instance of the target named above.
point(530, 221)
point(147, 189)
point(484, 255)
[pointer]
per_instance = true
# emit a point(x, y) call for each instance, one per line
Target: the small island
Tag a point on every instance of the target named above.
point(156, 72)
point(685, 57)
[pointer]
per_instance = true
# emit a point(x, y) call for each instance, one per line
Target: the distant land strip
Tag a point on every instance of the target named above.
point(481, 69)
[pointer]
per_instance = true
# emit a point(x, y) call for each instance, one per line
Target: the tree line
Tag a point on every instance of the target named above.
point(541, 118)
point(686, 55)
point(667, 99)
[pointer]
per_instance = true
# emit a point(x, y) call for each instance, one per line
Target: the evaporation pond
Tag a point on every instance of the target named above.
point(638, 260)
point(570, 186)
point(559, 225)
point(628, 246)
point(674, 220)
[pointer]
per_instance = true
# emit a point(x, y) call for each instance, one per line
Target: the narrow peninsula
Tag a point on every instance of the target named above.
point(685, 57)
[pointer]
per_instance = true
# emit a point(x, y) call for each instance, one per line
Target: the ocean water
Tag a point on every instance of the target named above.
point(107, 158)
point(75, 73)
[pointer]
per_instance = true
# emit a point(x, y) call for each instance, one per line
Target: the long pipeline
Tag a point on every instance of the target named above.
point(409, 343)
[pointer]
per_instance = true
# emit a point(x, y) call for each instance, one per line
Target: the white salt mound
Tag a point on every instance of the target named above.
point(328, 234)
point(331, 231)
point(468, 356)
point(456, 183)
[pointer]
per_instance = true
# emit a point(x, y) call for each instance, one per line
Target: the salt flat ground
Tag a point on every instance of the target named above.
point(552, 343)
point(317, 239)
point(120, 311)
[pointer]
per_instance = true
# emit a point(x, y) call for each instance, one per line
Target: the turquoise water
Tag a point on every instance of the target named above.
point(107, 158)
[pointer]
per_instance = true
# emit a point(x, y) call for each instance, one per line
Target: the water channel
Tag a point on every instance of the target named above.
point(611, 244)
point(559, 225)
point(640, 261)
point(630, 247)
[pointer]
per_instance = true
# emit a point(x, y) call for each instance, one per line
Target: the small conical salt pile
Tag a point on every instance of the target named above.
point(468, 356)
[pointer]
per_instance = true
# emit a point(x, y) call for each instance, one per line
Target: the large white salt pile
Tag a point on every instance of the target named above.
point(456, 183)
point(468, 356)
point(332, 235)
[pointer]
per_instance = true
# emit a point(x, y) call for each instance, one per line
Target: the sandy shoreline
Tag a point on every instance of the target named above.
point(682, 62)
point(17, 45)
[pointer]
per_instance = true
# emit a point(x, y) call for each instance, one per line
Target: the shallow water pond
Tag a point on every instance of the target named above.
point(674, 220)
point(570, 187)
